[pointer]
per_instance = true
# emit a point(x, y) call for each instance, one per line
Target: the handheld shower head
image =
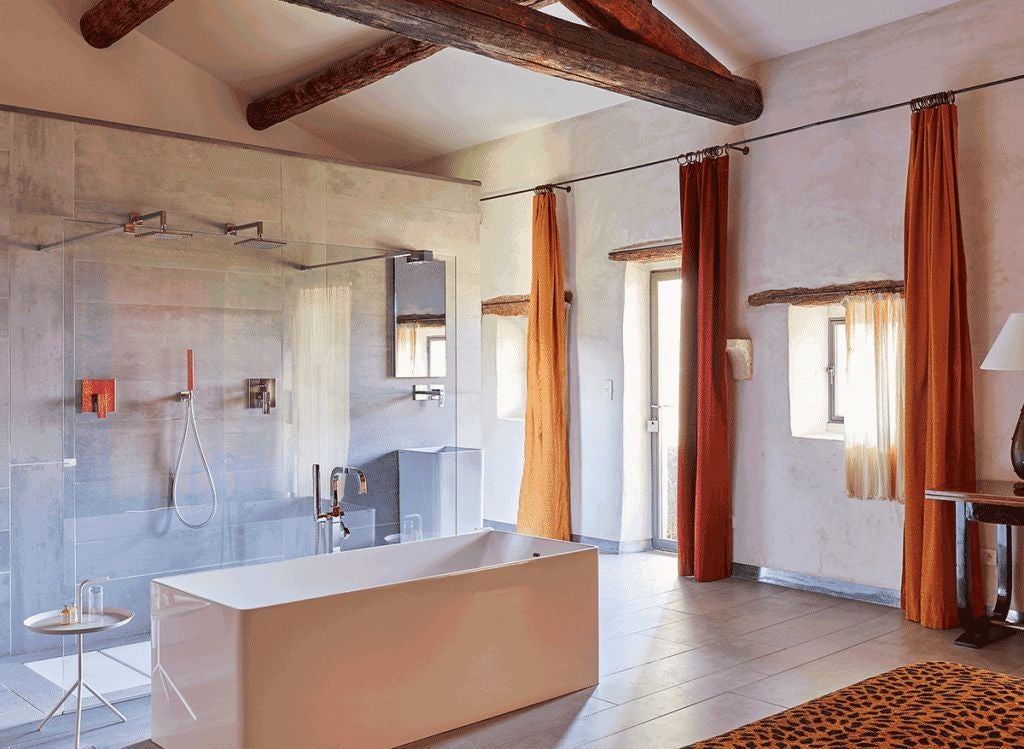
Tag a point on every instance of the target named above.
point(254, 243)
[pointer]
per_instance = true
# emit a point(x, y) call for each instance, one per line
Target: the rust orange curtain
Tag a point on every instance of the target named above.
point(544, 490)
point(704, 487)
point(939, 402)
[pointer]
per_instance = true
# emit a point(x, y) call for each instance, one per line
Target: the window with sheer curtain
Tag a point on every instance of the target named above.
point(873, 424)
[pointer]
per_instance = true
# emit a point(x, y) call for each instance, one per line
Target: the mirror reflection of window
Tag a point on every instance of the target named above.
point(420, 343)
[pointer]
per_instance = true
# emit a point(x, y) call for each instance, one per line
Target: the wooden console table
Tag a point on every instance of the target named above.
point(991, 502)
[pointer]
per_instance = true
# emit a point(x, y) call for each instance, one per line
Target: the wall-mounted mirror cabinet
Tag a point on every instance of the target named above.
point(420, 323)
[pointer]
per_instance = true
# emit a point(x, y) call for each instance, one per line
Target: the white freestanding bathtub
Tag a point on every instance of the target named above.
point(372, 647)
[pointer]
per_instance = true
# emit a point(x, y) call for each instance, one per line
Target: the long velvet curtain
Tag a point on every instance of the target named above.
point(704, 481)
point(544, 490)
point(939, 419)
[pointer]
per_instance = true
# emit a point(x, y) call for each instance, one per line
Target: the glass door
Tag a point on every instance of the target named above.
point(666, 299)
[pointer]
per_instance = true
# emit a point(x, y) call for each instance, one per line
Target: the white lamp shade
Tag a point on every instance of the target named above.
point(1007, 353)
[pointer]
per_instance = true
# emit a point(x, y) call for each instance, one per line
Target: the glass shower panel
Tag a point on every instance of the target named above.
point(173, 472)
point(290, 366)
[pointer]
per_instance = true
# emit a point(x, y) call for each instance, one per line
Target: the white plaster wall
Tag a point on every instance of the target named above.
point(813, 208)
point(48, 66)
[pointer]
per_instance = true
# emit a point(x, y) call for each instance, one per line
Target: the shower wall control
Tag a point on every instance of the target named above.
point(261, 392)
point(99, 397)
point(429, 393)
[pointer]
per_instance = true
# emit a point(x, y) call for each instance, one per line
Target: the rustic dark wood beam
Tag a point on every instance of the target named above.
point(522, 36)
point(345, 76)
point(110, 20)
point(640, 21)
point(824, 294)
point(648, 253)
point(512, 305)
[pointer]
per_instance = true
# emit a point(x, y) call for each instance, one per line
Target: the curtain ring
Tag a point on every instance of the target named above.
point(932, 100)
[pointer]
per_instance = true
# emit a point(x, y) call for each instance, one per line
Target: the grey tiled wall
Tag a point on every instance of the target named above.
point(95, 311)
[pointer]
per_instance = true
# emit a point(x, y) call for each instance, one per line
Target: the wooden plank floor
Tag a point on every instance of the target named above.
point(680, 661)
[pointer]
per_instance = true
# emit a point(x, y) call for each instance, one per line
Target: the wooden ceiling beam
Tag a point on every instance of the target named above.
point(522, 36)
point(345, 76)
point(110, 20)
point(640, 21)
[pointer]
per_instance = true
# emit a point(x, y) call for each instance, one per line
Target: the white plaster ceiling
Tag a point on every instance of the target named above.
point(455, 99)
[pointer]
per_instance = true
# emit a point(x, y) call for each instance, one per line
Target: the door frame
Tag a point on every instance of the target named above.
point(657, 542)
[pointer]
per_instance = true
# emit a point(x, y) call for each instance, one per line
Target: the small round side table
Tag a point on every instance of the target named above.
point(49, 623)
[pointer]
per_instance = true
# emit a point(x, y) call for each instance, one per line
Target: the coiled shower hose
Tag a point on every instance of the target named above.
point(190, 418)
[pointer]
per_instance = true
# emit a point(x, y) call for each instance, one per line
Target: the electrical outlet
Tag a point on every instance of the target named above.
point(988, 557)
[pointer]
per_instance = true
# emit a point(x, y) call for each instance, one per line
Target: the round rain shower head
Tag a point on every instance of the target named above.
point(253, 243)
point(259, 243)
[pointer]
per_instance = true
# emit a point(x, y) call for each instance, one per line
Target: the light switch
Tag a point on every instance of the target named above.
point(609, 389)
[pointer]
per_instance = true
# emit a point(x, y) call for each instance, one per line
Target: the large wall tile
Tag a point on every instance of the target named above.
point(37, 356)
point(5, 193)
point(5, 268)
point(358, 222)
point(29, 231)
point(304, 200)
point(5, 395)
point(389, 189)
point(5, 131)
point(36, 546)
point(224, 183)
point(42, 165)
point(5, 614)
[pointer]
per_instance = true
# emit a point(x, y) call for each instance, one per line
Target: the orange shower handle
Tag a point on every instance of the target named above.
point(99, 397)
point(191, 371)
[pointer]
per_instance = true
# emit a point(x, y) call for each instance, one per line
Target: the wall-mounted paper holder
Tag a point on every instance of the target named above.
point(99, 397)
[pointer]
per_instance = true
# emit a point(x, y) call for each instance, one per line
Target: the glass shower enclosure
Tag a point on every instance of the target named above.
point(204, 376)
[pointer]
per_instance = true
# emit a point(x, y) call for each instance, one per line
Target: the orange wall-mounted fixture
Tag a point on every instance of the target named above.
point(98, 396)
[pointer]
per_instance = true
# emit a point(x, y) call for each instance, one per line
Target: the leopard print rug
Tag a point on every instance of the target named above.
point(924, 706)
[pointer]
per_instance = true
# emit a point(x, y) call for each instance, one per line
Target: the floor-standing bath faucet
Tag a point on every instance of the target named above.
point(325, 520)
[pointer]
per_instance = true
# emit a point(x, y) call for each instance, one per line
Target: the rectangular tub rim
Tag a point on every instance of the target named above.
point(581, 549)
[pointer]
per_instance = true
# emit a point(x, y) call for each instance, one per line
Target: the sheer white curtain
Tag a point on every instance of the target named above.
point(320, 318)
point(873, 422)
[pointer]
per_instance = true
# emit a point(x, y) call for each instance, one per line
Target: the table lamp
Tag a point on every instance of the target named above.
point(1007, 354)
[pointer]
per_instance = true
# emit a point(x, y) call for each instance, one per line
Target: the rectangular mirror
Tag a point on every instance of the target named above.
point(419, 330)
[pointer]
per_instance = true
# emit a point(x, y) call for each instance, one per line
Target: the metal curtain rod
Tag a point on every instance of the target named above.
point(766, 136)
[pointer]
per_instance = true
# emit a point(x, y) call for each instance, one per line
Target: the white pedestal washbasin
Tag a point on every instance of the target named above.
point(439, 490)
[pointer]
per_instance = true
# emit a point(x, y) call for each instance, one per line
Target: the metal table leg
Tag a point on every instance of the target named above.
point(77, 687)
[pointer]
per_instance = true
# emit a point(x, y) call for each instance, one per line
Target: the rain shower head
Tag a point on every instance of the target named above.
point(163, 233)
point(254, 243)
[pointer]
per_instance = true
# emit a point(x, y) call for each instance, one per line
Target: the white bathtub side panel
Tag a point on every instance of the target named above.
point(397, 664)
point(198, 646)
